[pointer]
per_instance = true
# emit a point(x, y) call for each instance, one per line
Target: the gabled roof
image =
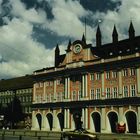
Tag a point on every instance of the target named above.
point(16, 83)
point(121, 48)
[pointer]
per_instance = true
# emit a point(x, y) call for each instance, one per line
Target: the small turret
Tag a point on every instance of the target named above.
point(115, 35)
point(69, 45)
point(98, 37)
point(57, 53)
point(83, 39)
point(131, 31)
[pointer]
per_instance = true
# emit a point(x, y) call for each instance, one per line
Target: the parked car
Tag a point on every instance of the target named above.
point(80, 134)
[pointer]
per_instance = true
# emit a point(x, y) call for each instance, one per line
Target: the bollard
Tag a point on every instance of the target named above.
point(20, 137)
point(2, 136)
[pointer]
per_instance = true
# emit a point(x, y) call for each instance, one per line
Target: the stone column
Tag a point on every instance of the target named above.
point(65, 118)
point(86, 118)
point(83, 86)
point(68, 85)
point(83, 117)
point(86, 86)
point(120, 114)
point(103, 120)
point(34, 121)
point(120, 84)
point(66, 88)
point(68, 118)
point(138, 120)
point(138, 81)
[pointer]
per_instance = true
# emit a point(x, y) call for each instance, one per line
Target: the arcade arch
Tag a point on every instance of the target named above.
point(39, 120)
point(131, 121)
point(112, 119)
point(95, 122)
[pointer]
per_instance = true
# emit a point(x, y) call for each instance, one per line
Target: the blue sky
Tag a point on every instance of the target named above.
point(30, 29)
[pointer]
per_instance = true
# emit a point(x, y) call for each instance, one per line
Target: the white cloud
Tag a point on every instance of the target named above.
point(31, 15)
point(21, 54)
point(127, 11)
point(66, 22)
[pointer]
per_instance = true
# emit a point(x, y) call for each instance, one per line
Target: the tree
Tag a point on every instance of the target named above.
point(13, 113)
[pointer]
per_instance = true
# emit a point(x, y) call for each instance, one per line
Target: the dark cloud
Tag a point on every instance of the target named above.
point(99, 5)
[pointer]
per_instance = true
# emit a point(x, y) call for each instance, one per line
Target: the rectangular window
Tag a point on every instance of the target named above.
point(125, 72)
point(114, 74)
point(92, 76)
point(74, 95)
point(125, 91)
point(59, 96)
point(98, 76)
point(92, 93)
point(79, 94)
point(115, 92)
point(98, 93)
point(108, 93)
point(108, 75)
point(133, 90)
point(132, 71)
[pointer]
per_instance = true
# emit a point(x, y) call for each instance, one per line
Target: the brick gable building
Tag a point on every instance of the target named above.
point(100, 85)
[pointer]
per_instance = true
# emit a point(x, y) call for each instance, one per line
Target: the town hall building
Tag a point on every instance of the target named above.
point(98, 84)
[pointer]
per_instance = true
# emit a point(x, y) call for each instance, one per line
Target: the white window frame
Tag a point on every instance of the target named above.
point(132, 71)
point(114, 74)
point(92, 76)
point(74, 98)
point(98, 93)
point(108, 93)
point(125, 91)
point(108, 75)
point(98, 76)
point(125, 72)
point(133, 90)
point(92, 94)
point(115, 92)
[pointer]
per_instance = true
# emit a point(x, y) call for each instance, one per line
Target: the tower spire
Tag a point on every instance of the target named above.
point(69, 45)
point(57, 52)
point(131, 31)
point(115, 35)
point(98, 37)
point(84, 39)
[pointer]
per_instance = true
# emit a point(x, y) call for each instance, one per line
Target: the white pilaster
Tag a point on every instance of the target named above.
point(120, 114)
point(86, 118)
point(65, 118)
point(138, 81)
point(86, 86)
point(103, 120)
point(138, 120)
point(68, 90)
point(83, 117)
point(68, 118)
point(120, 83)
point(44, 91)
point(83, 85)
point(43, 121)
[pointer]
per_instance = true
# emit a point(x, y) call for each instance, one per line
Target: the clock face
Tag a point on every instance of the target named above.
point(77, 48)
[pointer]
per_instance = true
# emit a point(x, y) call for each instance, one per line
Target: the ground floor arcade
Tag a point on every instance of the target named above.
point(95, 119)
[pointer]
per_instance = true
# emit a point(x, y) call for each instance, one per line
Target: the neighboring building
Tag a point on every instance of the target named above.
point(99, 84)
point(22, 87)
